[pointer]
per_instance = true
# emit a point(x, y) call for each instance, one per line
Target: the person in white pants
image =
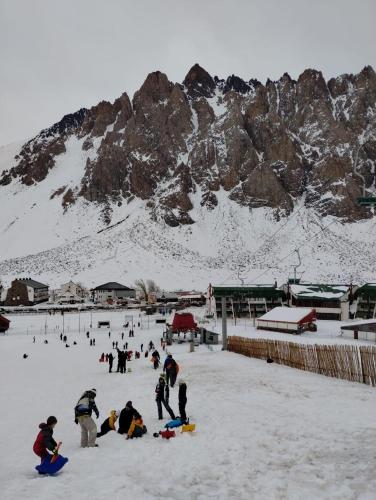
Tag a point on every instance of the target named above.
point(83, 411)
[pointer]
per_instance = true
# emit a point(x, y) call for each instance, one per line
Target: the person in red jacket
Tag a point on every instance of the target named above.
point(44, 440)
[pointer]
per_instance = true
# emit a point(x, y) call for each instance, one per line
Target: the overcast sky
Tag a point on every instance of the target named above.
point(59, 55)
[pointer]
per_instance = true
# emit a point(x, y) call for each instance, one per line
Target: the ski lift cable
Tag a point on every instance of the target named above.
point(268, 238)
point(297, 248)
point(294, 214)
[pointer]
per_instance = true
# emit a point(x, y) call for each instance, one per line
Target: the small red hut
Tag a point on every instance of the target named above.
point(183, 322)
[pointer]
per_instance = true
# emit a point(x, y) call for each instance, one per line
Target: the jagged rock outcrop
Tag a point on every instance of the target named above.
point(266, 145)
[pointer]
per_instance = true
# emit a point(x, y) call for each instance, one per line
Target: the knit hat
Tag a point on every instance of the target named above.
point(181, 381)
point(51, 420)
point(129, 404)
point(162, 375)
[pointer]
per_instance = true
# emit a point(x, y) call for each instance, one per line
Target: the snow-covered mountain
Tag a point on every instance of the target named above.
point(209, 180)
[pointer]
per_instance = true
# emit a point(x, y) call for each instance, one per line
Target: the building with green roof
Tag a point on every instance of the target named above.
point(366, 301)
point(249, 300)
point(331, 301)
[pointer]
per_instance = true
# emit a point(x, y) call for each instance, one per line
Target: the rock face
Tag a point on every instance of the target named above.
point(266, 145)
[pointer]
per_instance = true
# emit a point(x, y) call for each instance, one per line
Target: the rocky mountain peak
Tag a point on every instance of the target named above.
point(198, 82)
point(265, 145)
point(155, 89)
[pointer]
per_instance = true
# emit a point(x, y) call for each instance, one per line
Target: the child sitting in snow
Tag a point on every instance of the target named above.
point(109, 424)
point(137, 428)
point(44, 440)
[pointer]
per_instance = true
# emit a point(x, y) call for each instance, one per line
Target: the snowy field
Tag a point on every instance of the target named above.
point(263, 431)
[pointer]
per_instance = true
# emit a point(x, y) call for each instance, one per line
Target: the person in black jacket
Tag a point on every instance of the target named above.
point(160, 398)
point(156, 359)
point(171, 368)
point(126, 417)
point(110, 362)
point(182, 399)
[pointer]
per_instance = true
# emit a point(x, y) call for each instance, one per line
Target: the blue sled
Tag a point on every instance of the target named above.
point(174, 423)
point(46, 467)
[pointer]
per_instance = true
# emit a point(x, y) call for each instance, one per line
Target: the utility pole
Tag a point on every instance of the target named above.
point(224, 325)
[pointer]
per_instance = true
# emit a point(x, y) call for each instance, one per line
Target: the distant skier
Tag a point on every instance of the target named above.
point(44, 440)
point(161, 399)
point(109, 334)
point(142, 347)
point(122, 335)
point(34, 339)
point(87, 335)
point(109, 424)
point(82, 411)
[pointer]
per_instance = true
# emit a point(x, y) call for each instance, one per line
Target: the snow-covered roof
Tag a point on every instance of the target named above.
point(32, 283)
point(193, 296)
point(312, 291)
point(287, 314)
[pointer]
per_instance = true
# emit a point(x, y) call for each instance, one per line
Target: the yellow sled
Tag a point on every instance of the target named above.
point(188, 428)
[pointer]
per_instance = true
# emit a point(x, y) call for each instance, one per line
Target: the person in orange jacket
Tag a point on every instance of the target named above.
point(137, 428)
point(109, 424)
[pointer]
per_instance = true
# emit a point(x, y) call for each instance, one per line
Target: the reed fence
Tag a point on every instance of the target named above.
point(348, 362)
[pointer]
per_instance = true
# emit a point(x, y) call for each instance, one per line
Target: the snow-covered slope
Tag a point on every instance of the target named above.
point(46, 242)
point(264, 432)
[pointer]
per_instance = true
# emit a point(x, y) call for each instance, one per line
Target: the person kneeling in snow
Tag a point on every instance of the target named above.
point(44, 440)
point(137, 428)
point(109, 424)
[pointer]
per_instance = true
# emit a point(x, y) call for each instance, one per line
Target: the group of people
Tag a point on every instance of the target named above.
point(129, 420)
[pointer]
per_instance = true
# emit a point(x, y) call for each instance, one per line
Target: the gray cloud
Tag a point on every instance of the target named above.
point(57, 56)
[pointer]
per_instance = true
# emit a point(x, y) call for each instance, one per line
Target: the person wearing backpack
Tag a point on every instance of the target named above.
point(82, 412)
point(171, 368)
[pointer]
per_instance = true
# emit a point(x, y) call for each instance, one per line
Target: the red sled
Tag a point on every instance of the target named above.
point(167, 434)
